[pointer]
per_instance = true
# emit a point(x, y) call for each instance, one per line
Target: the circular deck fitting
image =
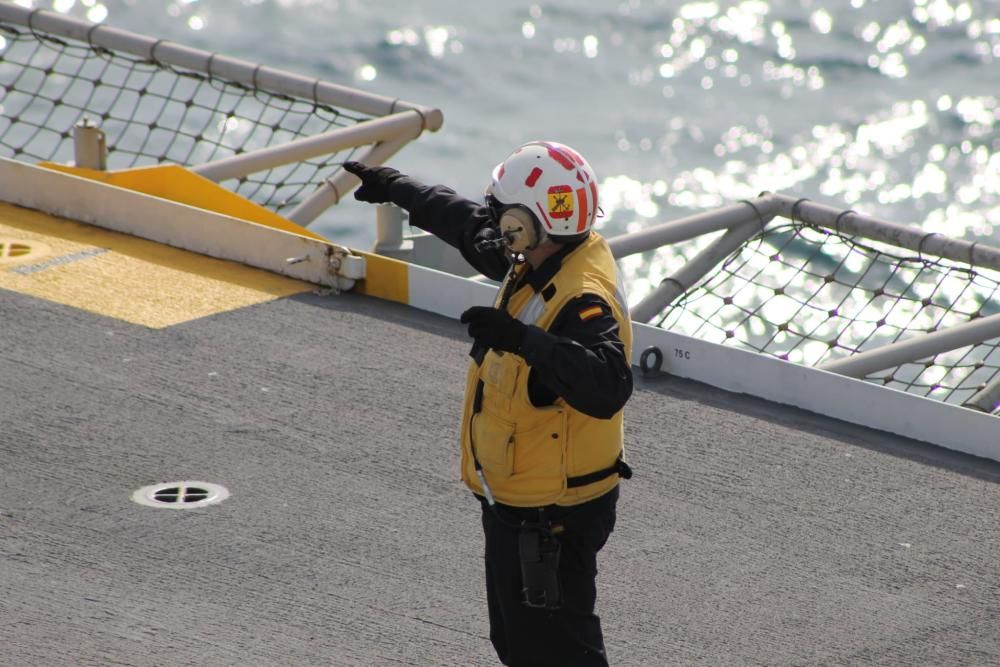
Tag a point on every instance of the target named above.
point(17, 250)
point(180, 495)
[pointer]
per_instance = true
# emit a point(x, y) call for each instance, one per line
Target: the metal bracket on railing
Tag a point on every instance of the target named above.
point(342, 267)
point(345, 267)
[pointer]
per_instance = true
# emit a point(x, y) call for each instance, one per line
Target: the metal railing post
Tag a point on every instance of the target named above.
point(90, 148)
point(389, 241)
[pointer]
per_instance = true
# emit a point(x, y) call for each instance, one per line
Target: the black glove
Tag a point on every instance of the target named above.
point(493, 328)
point(375, 182)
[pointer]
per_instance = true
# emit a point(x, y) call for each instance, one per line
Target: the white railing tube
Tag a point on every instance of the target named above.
point(257, 76)
point(913, 349)
point(988, 399)
point(692, 226)
point(406, 124)
point(699, 266)
point(333, 189)
point(903, 236)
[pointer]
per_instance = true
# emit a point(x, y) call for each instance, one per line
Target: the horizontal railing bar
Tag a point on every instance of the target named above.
point(241, 71)
point(903, 236)
point(919, 347)
point(691, 226)
point(366, 132)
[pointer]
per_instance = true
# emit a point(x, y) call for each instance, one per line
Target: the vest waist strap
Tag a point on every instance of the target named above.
point(619, 468)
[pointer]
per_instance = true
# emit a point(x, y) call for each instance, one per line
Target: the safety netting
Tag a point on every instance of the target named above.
point(811, 295)
point(152, 112)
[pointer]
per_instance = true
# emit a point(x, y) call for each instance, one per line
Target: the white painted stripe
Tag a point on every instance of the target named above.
point(447, 294)
point(27, 269)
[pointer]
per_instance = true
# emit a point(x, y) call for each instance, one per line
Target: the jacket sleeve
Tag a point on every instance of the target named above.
point(580, 360)
point(452, 218)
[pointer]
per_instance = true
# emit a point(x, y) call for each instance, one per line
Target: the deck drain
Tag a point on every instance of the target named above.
point(16, 250)
point(180, 495)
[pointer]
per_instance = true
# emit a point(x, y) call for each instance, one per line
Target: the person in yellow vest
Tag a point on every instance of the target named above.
point(541, 432)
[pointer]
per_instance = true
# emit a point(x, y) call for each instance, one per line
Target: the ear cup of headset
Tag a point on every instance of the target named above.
point(520, 229)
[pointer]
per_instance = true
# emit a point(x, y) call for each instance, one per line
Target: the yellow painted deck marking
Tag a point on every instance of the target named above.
point(386, 278)
point(125, 277)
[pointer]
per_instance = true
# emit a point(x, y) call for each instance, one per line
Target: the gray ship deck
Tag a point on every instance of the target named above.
point(752, 533)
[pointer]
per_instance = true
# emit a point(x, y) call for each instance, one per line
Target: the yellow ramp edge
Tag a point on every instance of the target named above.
point(122, 276)
point(175, 183)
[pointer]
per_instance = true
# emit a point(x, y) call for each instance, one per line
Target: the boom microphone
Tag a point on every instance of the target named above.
point(488, 239)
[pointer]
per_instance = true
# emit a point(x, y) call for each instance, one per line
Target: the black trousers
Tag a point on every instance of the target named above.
point(571, 635)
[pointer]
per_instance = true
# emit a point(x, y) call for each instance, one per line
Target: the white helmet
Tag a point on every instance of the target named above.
point(554, 183)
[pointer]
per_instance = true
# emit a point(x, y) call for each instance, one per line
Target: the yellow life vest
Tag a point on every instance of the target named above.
point(527, 453)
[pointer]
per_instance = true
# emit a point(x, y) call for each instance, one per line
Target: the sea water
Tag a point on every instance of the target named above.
point(890, 107)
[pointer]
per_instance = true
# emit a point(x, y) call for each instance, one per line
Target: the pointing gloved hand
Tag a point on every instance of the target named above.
point(375, 182)
point(494, 328)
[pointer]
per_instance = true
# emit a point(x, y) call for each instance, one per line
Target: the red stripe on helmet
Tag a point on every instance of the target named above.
point(503, 168)
point(573, 154)
point(533, 177)
point(544, 217)
point(560, 157)
point(593, 191)
point(581, 198)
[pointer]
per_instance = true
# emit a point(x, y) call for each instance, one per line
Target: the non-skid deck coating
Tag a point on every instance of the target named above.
point(752, 534)
point(123, 276)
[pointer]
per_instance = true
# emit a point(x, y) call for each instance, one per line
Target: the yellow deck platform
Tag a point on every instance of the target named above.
point(122, 276)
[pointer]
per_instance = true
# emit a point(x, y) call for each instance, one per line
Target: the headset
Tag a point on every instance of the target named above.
point(515, 229)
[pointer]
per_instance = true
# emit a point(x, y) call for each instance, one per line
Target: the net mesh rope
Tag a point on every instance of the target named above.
point(809, 295)
point(153, 113)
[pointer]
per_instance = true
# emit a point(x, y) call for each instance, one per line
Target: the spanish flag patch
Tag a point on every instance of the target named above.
point(589, 312)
